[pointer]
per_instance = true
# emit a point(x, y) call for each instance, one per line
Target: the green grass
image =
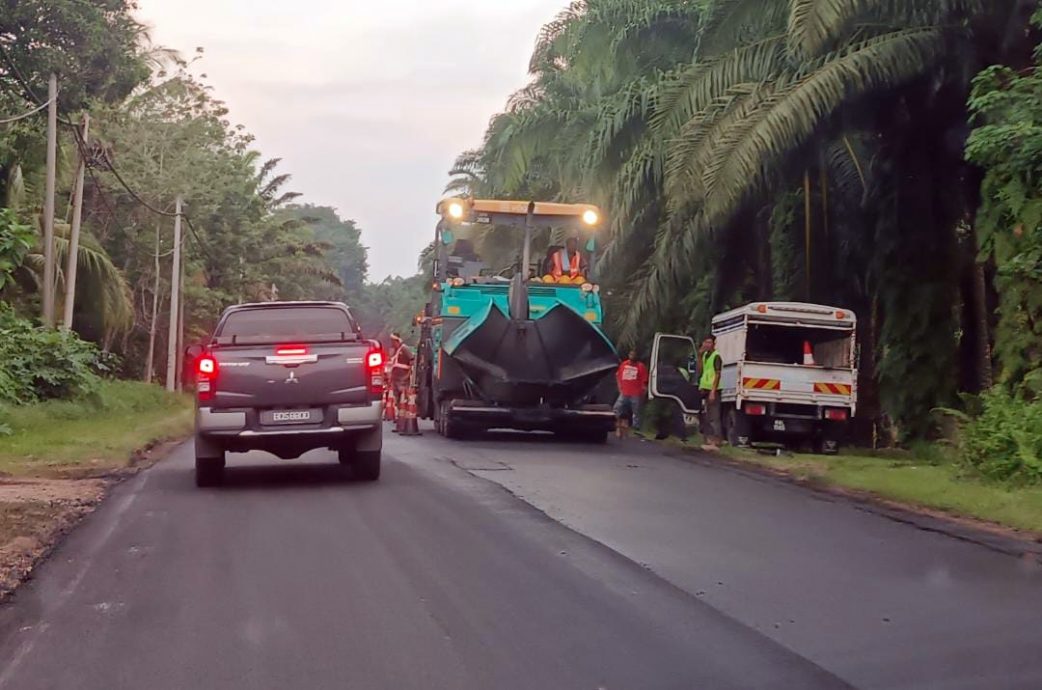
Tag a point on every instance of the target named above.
point(96, 433)
point(923, 477)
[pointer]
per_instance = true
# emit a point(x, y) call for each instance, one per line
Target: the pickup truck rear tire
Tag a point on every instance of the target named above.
point(209, 471)
point(366, 465)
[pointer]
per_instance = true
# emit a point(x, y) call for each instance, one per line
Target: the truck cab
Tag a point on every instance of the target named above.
point(789, 373)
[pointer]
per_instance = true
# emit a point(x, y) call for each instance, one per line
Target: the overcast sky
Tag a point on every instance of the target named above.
point(367, 103)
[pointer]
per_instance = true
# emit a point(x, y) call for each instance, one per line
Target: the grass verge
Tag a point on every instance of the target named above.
point(58, 458)
point(95, 434)
point(919, 478)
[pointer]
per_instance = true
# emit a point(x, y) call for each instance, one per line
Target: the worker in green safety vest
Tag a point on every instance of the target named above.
point(709, 386)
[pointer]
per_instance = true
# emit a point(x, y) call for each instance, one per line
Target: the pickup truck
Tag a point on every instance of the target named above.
point(789, 373)
point(287, 378)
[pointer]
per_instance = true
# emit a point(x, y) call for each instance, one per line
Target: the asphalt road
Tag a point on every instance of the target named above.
point(601, 567)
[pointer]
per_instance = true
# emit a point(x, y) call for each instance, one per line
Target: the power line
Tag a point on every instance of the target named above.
point(32, 112)
point(82, 146)
point(19, 77)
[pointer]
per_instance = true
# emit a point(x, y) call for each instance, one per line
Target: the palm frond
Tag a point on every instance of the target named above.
point(816, 26)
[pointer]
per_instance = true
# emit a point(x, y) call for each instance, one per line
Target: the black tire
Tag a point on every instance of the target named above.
point(209, 471)
point(448, 427)
point(594, 437)
point(366, 465)
point(736, 428)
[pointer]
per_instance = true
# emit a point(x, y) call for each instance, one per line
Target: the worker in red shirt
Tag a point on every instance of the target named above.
point(632, 378)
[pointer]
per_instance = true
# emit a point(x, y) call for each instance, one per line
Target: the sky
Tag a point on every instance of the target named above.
point(367, 103)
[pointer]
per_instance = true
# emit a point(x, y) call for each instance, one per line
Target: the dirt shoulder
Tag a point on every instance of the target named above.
point(61, 460)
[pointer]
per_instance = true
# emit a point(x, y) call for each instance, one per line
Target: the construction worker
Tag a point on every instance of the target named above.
point(401, 364)
point(709, 386)
point(568, 262)
point(632, 380)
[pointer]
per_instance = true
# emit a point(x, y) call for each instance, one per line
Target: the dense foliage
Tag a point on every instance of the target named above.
point(1004, 442)
point(44, 364)
point(1008, 145)
point(775, 149)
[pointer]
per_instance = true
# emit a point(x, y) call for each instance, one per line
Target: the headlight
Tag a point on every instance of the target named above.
point(587, 287)
point(457, 282)
point(596, 289)
point(590, 217)
point(456, 210)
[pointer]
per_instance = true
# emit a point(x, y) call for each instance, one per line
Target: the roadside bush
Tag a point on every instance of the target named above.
point(43, 364)
point(1004, 441)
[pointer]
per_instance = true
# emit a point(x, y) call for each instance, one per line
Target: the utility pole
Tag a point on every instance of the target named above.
point(48, 202)
point(181, 331)
point(74, 233)
point(175, 301)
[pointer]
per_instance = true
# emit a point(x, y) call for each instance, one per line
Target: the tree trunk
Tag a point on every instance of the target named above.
point(983, 326)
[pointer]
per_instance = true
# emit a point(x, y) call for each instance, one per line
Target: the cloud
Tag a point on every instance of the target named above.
point(366, 103)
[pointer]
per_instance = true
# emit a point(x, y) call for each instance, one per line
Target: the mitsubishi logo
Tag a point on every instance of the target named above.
point(292, 378)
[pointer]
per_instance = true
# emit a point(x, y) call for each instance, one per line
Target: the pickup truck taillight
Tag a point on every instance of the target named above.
point(836, 415)
point(374, 364)
point(206, 377)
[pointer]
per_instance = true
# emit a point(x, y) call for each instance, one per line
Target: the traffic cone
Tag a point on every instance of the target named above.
point(407, 424)
point(389, 408)
point(808, 354)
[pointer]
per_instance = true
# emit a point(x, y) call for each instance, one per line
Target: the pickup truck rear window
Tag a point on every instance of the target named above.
point(289, 322)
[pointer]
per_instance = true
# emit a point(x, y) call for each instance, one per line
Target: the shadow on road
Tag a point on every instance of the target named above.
point(533, 437)
point(295, 475)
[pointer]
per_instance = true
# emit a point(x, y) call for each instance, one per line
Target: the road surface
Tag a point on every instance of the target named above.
point(597, 567)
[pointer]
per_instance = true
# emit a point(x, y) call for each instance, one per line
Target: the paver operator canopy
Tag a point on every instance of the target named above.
point(567, 261)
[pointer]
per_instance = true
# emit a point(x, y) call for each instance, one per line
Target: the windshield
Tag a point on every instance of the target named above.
point(288, 322)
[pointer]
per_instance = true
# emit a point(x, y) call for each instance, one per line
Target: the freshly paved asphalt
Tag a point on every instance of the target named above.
point(600, 567)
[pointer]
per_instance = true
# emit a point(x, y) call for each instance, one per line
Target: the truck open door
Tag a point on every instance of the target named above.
point(670, 356)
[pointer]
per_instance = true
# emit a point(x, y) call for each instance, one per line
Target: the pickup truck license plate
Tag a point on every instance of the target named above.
point(290, 417)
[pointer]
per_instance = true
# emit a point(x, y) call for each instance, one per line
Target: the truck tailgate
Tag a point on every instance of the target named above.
point(263, 376)
point(795, 383)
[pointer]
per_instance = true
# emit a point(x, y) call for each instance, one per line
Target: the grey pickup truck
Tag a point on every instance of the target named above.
point(287, 378)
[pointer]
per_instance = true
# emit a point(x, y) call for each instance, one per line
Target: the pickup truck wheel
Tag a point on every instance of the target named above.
point(366, 464)
point(209, 471)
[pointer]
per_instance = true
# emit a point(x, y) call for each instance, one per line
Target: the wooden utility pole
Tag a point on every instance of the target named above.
point(74, 233)
point(181, 331)
point(48, 201)
point(175, 301)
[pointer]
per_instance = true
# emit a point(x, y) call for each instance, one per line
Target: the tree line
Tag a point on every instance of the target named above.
point(157, 131)
point(874, 155)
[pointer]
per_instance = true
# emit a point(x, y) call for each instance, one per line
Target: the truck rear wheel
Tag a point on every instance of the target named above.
point(366, 465)
point(737, 428)
point(209, 471)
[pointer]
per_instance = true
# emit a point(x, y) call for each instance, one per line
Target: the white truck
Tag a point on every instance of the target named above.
point(789, 372)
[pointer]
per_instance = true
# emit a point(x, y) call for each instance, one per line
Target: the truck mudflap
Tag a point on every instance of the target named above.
point(592, 418)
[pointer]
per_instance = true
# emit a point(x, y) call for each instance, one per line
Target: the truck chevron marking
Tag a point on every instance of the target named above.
point(762, 384)
point(832, 388)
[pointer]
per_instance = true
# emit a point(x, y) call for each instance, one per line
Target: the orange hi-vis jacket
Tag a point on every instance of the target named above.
point(575, 264)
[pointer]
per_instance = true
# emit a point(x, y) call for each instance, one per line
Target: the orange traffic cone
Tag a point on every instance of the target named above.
point(389, 406)
point(808, 354)
point(407, 424)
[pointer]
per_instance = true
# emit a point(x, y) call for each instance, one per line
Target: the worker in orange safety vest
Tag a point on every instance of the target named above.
point(400, 366)
point(569, 261)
